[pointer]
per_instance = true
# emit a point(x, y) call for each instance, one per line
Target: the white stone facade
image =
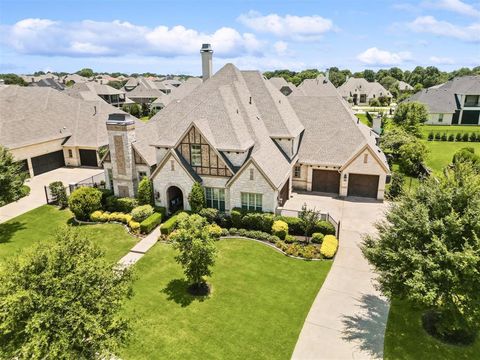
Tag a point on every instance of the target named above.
point(439, 119)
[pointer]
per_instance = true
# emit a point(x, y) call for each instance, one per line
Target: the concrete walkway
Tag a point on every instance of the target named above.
point(36, 197)
point(348, 317)
point(140, 248)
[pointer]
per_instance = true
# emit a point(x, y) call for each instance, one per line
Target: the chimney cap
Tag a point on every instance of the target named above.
point(206, 48)
point(120, 119)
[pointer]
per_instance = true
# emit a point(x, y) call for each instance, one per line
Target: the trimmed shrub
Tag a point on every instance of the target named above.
point(162, 210)
point(233, 231)
point(242, 232)
point(317, 238)
point(473, 137)
point(437, 136)
point(258, 221)
point(280, 229)
point(145, 192)
point(308, 252)
point(293, 250)
point(214, 230)
point(126, 205)
point(273, 239)
point(168, 226)
point(281, 245)
point(106, 193)
point(430, 136)
point(196, 198)
point(59, 193)
point(224, 220)
point(209, 213)
point(150, 223)
point(134, 226)
point(84, 201)
point(236, 218)
point(444, 137)
point(451, 137)
point(290, 239)
point(295, 224)
point(458, 137)
point(142, 212)
point(465, 137)
point(105, 217)
point(225, 232)
point(329, 246)
point(119, 217)
point(96, 216)
point(324, 227)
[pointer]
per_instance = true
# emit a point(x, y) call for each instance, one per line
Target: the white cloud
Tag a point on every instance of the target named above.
point(441, 60)
point(281, 47)
point(428, 24)
point(303, 28)
point(457, 6)
point(117, 38)
point(374, 56)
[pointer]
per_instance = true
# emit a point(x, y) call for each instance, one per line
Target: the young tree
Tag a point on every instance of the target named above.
point(428, 250)
point(11, 178)
point(62, 300)
point(57, 189)
point(411, 157)
point(197, 251)
point(309, 219)
point(410, 116)
point(196, 198)
point(145, 192)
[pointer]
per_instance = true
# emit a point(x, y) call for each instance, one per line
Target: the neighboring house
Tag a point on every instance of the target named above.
point(104, 79)
point(49, 82)
point(282, 85)
point(92, 91)
point(186, 88)
point(403, 86)
point(247, 144)
point(46, 129)
point(319, 86)
point(142, 90)
point(456, 102)
point(74, 78)
point(34, 79)
point(359, 91)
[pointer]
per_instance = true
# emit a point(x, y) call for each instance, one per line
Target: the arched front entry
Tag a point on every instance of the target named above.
point(174, 199)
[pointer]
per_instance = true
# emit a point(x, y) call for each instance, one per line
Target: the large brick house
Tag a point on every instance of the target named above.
point(247, 144)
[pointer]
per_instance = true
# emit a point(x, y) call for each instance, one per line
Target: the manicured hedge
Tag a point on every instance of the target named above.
point(162, 210)
point(125, 205)
point(150, 223)
point(168, 226)
point(329, 246)
point(317, 238)
point(295, 224)
point(141, 212)
point(461, 136)
point(324, 227)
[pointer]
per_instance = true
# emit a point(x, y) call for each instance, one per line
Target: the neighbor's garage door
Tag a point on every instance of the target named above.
point(326, 181)
point(47, 162)
point(363, 185)
point(88, 158)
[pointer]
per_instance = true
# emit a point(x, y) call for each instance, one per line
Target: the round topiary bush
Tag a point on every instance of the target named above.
point(84, 201)
point(142, 212)
point(317, 238)
point(280, 229)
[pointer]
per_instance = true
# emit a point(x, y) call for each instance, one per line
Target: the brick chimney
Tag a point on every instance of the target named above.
point(207, 54)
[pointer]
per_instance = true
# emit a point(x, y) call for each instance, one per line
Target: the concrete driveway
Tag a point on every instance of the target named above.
point(348, 317)
point(36, 197)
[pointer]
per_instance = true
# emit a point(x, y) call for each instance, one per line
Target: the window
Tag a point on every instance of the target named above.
point(196, 154)
point(251, 174)
point(365, 158)
point(215, 198)
point(251, 201)
point(141, 175)
point(172, 165)
point(110, 178)
point(472, 100)
point(297, 171)
point(70, 153)
point(440, 117)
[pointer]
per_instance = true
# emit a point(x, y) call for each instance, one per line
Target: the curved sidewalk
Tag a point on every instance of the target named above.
point(348, 317)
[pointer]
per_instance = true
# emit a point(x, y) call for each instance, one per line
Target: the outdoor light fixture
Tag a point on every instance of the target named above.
point(344, 177)
point(157, 195)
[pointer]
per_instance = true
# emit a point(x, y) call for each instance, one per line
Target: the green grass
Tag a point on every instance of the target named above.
point(449, 129)
point(259, 301)
point(144, 118)
point(405, 338)
point(41, 223)
point(363, 118)
point(441, 153)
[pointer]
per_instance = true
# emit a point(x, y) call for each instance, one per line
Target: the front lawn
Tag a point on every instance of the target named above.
point(40, 224)
point(364, 119)
point(259, 301)
point(405, 338)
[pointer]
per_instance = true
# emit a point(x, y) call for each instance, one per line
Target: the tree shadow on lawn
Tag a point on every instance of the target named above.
point(177, 290)
point(7, 230)
point(368, 326)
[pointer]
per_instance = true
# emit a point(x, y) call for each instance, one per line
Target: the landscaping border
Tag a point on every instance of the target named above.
point(138, 236)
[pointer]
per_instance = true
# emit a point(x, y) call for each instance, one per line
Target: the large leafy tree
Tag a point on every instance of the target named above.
point(410, 116)
point(86, 72)
point(62, 300)
point(11, 178)
point(197, 250)
point(428, 250)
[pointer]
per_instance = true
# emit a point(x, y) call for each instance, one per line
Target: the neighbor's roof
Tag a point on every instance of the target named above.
point(402, 85)
point(332, 132)
point(233, 110)
point(320, 86)
point(362, 86)
point(465, 85)
point(31, 115)
point(75, 78)
point(90, 90)
point(438, 100)
point(186, 88)
point(144, 88)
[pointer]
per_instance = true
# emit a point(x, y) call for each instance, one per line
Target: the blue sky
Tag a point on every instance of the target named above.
point(165, 36)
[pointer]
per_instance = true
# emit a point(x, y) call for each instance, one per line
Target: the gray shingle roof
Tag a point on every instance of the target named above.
point(316, 87)
point(465, 85)
point(332, 133)
point(362, 86)
point(34, 114)
point(438, 100)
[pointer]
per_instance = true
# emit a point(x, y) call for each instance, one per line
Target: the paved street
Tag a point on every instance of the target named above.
point(348, 317)
point(36, 197)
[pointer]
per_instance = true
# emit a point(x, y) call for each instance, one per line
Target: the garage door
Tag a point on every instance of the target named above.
point(363, 185)
point(326, 181)
point(47, 162)
point(88, 158)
